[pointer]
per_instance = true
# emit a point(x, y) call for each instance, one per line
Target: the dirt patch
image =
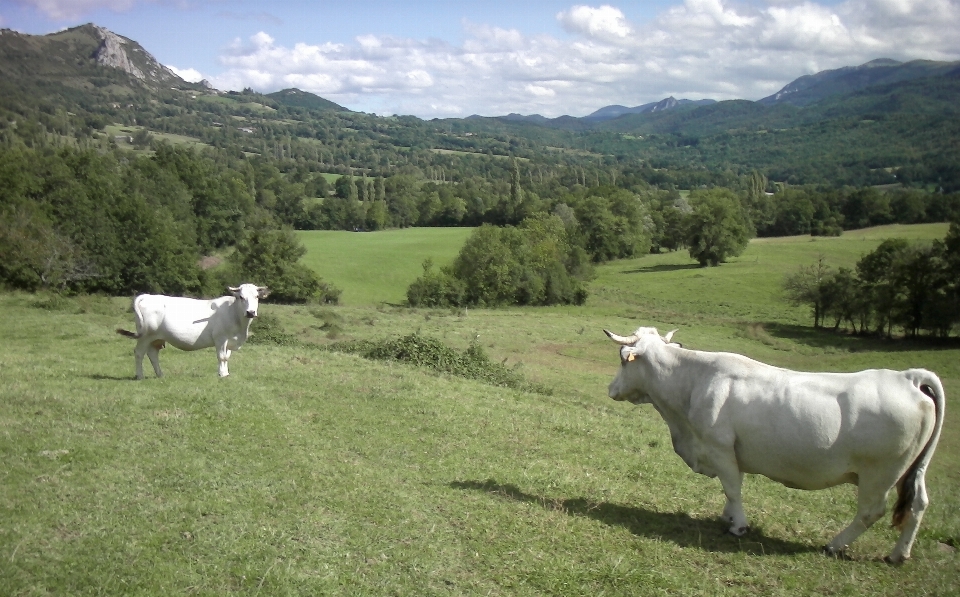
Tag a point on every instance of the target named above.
point(209, 261)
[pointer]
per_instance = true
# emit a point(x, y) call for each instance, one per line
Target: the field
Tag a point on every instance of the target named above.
point(310, 472)
point(113, 130)
point(377, 267)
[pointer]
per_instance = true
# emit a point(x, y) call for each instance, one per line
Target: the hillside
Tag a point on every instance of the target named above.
point(879, 123)
point(311, 472)
point(811, 89)
point(76, 56)
point(303, 99)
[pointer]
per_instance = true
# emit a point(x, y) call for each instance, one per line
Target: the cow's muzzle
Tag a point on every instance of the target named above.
point(251, 314)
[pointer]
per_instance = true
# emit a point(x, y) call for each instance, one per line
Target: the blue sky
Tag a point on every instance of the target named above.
point(441, 58)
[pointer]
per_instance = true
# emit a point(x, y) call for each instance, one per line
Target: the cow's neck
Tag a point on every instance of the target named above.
point(671, 378)
point(668, 378)
point(241, 316)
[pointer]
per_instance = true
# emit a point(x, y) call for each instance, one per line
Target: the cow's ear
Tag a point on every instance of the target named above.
point(263, 291)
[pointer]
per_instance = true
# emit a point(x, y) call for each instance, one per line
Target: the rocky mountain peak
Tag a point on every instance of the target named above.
point(116, 51)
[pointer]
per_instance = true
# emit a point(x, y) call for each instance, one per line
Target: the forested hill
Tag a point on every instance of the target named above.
point(879, 123)
point(117, 176)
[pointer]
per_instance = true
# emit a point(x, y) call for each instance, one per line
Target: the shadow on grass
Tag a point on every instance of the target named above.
point(679, 528)
point(101, 377)
point(662, 268)
point(827, 338)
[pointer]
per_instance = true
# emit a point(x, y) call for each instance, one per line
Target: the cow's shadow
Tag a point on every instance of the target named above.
point(679, 528)
point(664, 267)
point(827, 338)
point(102, 377)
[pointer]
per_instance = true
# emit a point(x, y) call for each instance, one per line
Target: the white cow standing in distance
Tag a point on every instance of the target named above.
point(192, 324)
point(729, 415)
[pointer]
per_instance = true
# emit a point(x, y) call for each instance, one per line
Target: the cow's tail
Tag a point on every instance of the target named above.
point(909, 484)
point(139, 318)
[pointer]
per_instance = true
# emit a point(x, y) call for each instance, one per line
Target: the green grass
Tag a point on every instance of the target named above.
point(111, 130)
point(311, 472)
point(376, 267)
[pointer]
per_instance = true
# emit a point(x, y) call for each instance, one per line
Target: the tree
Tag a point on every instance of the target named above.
point(810, 286)
point(717, 228)
point(533, 264)
point(270, 257)
point(879, 273)
point(345, 188)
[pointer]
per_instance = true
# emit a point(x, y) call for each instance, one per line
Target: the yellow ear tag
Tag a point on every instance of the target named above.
point(631, 357)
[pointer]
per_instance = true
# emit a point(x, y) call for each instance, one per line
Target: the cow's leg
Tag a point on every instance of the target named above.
point(911, 523)
point(223, 354)
point(153, 352)
point(138, 354)
point(871, 504)
point(732, 480)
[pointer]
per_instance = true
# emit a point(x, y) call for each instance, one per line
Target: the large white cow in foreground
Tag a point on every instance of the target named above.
point(729, 415)
point(192, 324)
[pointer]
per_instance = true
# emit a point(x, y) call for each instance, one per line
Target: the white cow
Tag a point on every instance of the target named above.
point(192, 324)
point(729, 415)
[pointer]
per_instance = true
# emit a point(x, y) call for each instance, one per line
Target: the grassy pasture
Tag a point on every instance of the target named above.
point(375, 267)
point(112, 130)
point(311, 472)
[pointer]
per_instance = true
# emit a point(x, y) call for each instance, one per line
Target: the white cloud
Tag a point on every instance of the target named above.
point(540, 91)
point(190, 75)
point(696, 49)
point(605, 22)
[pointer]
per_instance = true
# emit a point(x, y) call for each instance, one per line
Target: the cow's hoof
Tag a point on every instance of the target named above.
point(895, 561)
point(838, 554)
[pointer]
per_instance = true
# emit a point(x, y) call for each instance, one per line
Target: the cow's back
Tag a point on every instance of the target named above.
point(185, 323)
point(815, 430)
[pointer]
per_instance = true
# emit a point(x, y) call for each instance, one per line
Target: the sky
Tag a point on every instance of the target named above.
point(437, 59)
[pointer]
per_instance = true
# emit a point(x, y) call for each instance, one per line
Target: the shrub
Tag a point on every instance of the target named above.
point(267, 329)
point(530, 265)
point(270, 257)
point(431, 353)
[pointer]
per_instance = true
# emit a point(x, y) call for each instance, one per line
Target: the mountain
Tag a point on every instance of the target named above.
point(610, 112)
point(76, 53)
point(810, 89)
point(296, 98)
point(601, 115)
point(877, 123)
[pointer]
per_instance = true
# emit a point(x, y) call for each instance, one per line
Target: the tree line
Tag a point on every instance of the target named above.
point(85, 220)
point(898, 286)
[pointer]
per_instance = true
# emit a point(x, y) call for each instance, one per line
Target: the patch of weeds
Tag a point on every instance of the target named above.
point(332, 322)
point(52, 302)
point(267, 329)
point(431, 353)
point(756, 332)
point(95, 304)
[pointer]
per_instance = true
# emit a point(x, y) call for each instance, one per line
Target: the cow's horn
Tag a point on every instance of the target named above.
point(624, 340)
point(669, 335)
point(233, 288)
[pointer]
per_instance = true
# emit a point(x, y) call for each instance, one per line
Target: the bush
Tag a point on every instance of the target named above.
point(431, 353)
point(267, 329)
point(270, 257)
point(530, 265)
point(435, 289)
